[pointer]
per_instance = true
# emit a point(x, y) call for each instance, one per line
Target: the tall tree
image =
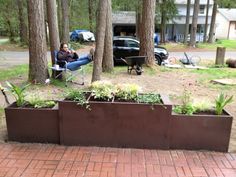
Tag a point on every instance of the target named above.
point(22, 22)
point(38, 66)
point(65, 20)
point(206, 22)
point(213, 21)
point(138, 16)
point(107, 62)
point(163, 22)
point(9, 18)
point(59, 14)
point(194, 24)
point(167, 10)
point(100, 37)
point(187, 21)
point(91, 14)
point(53, 27)
point(147, 45)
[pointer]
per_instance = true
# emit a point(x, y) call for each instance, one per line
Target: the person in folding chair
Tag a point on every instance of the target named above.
point(69, 60)
point(72, 58)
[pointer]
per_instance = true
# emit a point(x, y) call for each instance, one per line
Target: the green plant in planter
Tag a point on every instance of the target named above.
point(149, 98)
point(78, 96)
point(187, 106)
point(36, 101)
point(221, 101)
point(127, 92)
point(202, 106)
point(102, 90)
point(18, 93)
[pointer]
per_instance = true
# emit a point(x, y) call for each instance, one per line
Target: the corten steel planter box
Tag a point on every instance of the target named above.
point(195, 132)
point(116, 124)
point(32, 125)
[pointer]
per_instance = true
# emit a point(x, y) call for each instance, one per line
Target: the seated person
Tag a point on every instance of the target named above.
point(72, 58)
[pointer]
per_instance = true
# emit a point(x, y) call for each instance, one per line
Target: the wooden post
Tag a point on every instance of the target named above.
point(220, 56)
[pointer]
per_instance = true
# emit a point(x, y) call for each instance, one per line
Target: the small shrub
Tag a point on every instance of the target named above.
point(127, 91)
point(202, 106)
point(103, 90)
point(184, 109)
point(187, 106)
point(78, 96)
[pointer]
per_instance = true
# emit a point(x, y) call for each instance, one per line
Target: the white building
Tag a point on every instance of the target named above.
point(226, 24)
point(124, 22)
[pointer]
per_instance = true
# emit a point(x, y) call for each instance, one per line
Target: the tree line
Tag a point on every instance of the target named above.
point(29, 19)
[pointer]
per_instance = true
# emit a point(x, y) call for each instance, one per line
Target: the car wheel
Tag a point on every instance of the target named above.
point(158, 59)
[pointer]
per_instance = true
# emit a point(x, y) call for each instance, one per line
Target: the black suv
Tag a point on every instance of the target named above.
point(128, 46)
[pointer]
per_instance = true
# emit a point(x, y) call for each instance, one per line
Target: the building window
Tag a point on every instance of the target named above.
point(201, 9)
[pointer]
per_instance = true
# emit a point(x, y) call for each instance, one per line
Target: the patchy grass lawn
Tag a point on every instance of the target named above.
point(14, 72)
point(205, 76)
point(228, 44)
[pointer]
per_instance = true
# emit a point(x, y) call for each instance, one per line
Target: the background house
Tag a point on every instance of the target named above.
point(226, 24)
point(124, 21)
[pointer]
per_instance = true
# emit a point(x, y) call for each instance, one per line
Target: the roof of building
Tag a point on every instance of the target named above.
point(229, 14)
point(128, 18)
point(123, 17)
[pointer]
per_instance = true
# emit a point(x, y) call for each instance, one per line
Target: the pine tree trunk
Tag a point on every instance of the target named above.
point(206, 22)
point(65, 20)
point(163, 22)
point(53, 30)
point(213, 21)
point(107, 62)
point(187, 21)
point(194, 24)
point(53, 27)
point(100, 37)
point(38, 66)
point(90, 9)
point(146, 41)
point(22, 23)
point(10, 30)
point(138, 19)
point(59, 13)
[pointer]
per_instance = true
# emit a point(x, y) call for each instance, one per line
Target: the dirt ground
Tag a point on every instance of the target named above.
point(170, 82)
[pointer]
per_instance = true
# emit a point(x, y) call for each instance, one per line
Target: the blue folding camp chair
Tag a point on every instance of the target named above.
point(69, 75)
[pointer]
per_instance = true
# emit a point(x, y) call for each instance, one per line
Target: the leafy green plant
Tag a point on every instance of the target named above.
point(149, 98)
point(184, 109)
point(18, 93)
point(221, 101)
point(127, 92)
point(78, 96)
point(103, 90)
point(187, 106)
point(37, 102)
point(202, 106)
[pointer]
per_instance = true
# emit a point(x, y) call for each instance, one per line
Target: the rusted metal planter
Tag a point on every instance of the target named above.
point(115, 124)
point(196, 132)
point(32, 125)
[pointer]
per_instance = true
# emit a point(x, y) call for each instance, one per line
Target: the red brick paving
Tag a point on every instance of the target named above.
point(53, 160)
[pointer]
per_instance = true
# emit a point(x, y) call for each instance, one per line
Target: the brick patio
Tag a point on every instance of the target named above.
point(54, 160)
